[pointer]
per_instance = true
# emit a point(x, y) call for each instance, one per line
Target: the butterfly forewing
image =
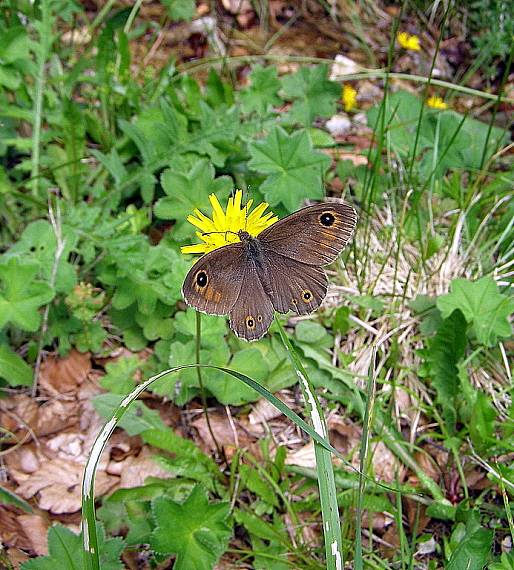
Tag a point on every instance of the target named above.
point(314, 235)
point(214, 282)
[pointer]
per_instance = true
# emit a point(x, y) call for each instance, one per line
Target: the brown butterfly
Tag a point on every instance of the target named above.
point(280, 269)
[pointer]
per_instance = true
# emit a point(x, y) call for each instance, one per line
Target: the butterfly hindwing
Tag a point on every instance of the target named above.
point(214, 282)
point(292, 285)
point(252, 312)
point(314, 235)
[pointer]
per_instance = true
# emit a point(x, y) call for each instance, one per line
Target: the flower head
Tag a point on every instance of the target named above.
point(408, 41)
point(349, 97)
point(436, 103)
point(224, 226)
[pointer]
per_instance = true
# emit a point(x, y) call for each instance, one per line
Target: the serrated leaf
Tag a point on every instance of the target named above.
point(196, 531)
point(120, 375)
point(263, 90)
point(445, 351)
point(313, 94)
point(482, 305)
point(185, 192)
point(21, 294)
point(295, 169)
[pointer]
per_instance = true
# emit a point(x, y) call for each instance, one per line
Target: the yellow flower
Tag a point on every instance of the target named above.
point(223, 227)
point(436, 103)
point(349, 97)
point(408, 41)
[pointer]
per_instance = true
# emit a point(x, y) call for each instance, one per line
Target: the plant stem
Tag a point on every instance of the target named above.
point(200, 382)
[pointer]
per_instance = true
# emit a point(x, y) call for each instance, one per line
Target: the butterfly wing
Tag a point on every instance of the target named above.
point(314, 235)
point(252, 313)
point(293, 285)
point(214, 282)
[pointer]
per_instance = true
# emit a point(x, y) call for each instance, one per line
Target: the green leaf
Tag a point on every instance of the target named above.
point(185, 192)
point(186, 460)
point(65, 551)
point(472, 551)
point(482, 305)
point(294, 168)
point(137, 419)
point(180, 9)
point(481, 424)
point(196, 531)
point(21, 294)
point(263, 90)
point(310, 332)
point(120, 375)
point(13, 368)
point(445, 351)
point(247, 361)
point(313, 94)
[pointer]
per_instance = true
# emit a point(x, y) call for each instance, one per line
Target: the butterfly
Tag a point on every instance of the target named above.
point(279, 270)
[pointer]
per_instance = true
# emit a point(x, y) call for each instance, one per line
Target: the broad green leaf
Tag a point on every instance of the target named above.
point(295, 169)
point(444, 352)
point(263, 90)
point(13, 368)
point(313, 94)
point(482, 305)
point(247, 361)
point(66, 553)
point(180, 9)
point(310, 332)
point(21, 294)
point(472, 551)
point(137, 419)
point(120, 375)
point(196, 531)
point(186, 192)
point(481, 425)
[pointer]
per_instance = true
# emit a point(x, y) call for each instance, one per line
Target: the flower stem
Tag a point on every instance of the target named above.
point(219, 451)
point(324, 467)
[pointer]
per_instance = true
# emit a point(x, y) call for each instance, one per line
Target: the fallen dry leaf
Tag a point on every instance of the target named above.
point(58, 483)
point(134, 470)
point(61, 375)
point(35, 528)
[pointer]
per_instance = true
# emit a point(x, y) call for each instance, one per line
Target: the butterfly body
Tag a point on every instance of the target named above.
point(280, 269)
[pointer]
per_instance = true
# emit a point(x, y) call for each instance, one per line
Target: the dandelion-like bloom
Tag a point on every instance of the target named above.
point(408, 41)
point(436, 103)
point(349, 97)
point(222, 229)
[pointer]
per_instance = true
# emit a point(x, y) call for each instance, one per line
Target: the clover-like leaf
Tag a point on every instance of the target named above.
point(196, 531)
point(21, 294)
point(481, 304)
point(294, 168)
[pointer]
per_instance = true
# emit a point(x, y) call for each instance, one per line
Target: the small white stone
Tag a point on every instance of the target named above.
point(343, 66)
point(339, 125)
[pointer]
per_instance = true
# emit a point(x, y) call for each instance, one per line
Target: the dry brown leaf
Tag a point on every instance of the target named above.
point(227, 433)
point(303, 457)
point(262, 412)
point(58, 483)
point(35, 528)
point(134, 470)
point(16, 557)
point(61, 375)
point(11, 531)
